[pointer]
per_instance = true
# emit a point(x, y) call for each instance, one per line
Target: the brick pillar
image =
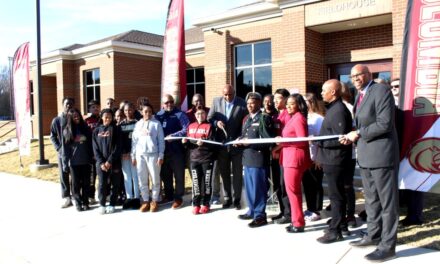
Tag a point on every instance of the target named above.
point(399, 14)
point(217, 63)
point(289, 62)
point(66, 84)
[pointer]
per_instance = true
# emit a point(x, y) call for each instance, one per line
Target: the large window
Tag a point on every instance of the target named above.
point(195, 83)
point(253, 68)
point(92, 83)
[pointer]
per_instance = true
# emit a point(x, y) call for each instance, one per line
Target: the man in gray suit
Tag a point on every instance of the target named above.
point(226, 114)
point(377, 146)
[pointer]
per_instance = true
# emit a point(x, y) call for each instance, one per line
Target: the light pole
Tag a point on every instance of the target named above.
point(41, 161)
point(11, 89)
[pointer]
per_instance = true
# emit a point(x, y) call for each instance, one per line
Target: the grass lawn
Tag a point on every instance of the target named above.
point(426, 235)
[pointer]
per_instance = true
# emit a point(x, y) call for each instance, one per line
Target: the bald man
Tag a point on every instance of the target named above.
point(378, 160)
point(226, 114)
point(334, 157)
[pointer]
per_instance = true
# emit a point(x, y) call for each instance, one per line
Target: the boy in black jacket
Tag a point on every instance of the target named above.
point(107, 151)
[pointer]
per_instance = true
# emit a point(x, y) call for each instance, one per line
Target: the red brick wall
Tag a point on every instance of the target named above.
point(399, 13)
point(339, 45)
point(137, 76)
point(316, 70)
point(49, 105)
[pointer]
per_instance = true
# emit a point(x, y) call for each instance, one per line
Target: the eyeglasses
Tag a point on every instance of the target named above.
point(168, 102)
point(354, 76)
point(229, 94)
point(395, 86)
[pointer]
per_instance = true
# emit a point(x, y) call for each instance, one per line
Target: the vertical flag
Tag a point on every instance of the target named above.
point(20, 76)
point(173, 62)
point(420, 79)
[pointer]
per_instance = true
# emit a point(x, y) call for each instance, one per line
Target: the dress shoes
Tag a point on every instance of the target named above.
point(407, 222)
point(283, 220)
point(278, 216)
point(237, 205)
point(381, 256)
point(258, 222)
point(364, 242)
point(294, 229)
point(227, 204)
point(344, 231)
point(330, 238)
point(245, 217)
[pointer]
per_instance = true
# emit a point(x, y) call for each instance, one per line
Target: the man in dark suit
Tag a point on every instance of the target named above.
point(377, 146)
point(334, 157)
point(226, 115)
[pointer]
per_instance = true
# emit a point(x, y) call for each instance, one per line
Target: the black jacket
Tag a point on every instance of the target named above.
point(261, 126)
point(78, 151)
point(107, 145)
point(337, 121)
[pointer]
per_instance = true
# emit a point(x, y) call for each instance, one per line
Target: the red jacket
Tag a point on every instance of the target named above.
point(204, 152)
point(295, 154)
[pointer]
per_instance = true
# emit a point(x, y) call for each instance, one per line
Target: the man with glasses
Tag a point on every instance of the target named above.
point(174, 123)
point(226, 115)
point(378, 159)
point(395, 90)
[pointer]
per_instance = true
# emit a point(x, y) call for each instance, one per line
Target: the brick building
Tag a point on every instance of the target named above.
point(262, 46)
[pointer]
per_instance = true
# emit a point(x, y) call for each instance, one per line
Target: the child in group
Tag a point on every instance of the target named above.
point(202, 160)
point(92, 120)
point(147, 152)
point(131, 181)
point(77, 155)
point(107, 151)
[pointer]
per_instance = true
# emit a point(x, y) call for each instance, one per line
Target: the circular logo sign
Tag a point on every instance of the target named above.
point(424, 155)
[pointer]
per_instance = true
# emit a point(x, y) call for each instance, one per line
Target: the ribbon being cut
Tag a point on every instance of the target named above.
point(246, 141)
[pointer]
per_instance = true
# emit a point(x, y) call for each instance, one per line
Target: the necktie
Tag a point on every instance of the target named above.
point(361, 96)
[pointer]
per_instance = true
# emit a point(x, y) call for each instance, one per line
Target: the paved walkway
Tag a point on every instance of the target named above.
point(33, 229)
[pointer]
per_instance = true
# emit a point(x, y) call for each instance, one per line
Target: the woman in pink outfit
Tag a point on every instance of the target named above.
point(295, 158)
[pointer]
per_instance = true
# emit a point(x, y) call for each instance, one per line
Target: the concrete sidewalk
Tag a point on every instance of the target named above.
point(33, 229)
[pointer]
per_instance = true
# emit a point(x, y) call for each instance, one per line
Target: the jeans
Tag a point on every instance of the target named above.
point(131, 181)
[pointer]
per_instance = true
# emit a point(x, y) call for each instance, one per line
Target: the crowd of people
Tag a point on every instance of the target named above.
point(126, 146)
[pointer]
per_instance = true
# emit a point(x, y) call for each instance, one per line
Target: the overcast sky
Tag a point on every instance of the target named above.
point(65, 22)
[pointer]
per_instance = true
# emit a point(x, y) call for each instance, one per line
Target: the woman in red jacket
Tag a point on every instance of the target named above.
point(295, 158)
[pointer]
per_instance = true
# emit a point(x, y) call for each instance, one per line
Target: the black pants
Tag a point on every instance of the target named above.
point(201, 173)
point(313, 191)
point(381, 205)
point(413, 200)
point(92, 189)
point(64, 180)
point(109, 182)
point(225, 160)
point(349, 190)
point(80, 183)
point(173, 167)
point(335, 178)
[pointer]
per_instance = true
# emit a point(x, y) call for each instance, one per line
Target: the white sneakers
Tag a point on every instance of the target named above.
point(311, 216)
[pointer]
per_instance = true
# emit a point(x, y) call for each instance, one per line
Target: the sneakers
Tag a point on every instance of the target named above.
point(145, 207)
point(110, 209)
point(101, 210)
point(92, 201)
point(177, 204)
point(204, 209)
point(127, 204)
point(196, 210)
point(67, 203)
point(312, 217)
point(154, 207)
point(215, 200)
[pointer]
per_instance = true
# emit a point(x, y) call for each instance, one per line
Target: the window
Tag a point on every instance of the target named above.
point(253, 68)
point(195, 83)
point(92, 83)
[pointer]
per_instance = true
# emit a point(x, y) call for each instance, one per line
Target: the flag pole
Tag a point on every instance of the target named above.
point(41, 161)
